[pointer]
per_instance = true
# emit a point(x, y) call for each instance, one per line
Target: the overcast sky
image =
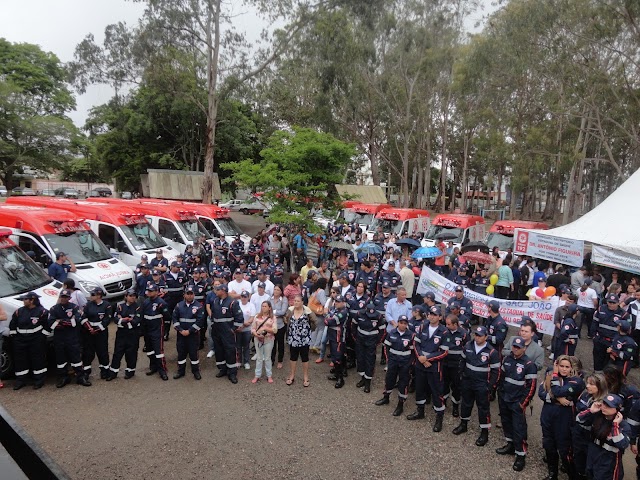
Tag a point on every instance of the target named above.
point(59, 25)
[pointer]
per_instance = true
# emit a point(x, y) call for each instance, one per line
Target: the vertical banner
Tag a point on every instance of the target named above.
point(540, 311)
point(556, 249)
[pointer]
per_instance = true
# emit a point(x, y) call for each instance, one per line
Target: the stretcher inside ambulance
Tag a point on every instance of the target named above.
point(19, 274)
point(125, 231)
point(399, 221)
point(461, 227)
point(177, 224)
point(47, 232)
point(501, 233)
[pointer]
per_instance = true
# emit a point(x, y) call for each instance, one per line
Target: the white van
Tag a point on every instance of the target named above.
point(47, 232)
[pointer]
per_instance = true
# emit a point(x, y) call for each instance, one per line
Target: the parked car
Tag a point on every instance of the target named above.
point(3, 191)
point(48, 193)
point(23, 191)
point(67, 192)
point(126, 195)
point(233, 205)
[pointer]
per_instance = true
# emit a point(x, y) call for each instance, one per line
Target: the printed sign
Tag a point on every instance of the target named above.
point(540, 311)
point(556, 249)
point(610, 257)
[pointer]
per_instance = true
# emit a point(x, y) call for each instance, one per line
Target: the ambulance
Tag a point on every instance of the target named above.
point(215, 219)
point(19, 274)
point(347, 214)
point(466, 228)
point(400, 221)
point(124, 230)
point(177, 224)
point(46, 232)
point(365, 213)
point(502, 232)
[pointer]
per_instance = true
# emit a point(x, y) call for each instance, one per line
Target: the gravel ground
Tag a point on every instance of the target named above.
point(145, 428)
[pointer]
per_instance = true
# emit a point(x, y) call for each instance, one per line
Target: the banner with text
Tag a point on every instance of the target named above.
point(556, 249)
point(610, 257)
point(541, 311)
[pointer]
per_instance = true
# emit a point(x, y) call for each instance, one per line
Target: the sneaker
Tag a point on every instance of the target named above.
point(247, 366)
point(210, 354)
point(254, 358)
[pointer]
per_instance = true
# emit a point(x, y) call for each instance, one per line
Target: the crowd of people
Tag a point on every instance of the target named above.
point(356, 299)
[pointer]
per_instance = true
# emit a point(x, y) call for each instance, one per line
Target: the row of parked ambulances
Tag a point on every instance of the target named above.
point(462, 228)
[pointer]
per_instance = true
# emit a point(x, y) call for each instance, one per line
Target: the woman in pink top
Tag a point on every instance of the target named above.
point(264, 331)
point(294, 288)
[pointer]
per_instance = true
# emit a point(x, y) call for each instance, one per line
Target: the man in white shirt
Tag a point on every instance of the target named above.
point(587, 304)
point(238, 284)
point(263, 278)
point(408, 278)
point(259, 297)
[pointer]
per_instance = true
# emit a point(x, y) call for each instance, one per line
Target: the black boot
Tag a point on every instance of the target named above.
point(437, 427)
point(482, 440)
point(233, 378)
point(455, 411)
point(111, 376)
point(64, 380)
point(19, 384)
point(367, 386)
point(418, 414)
point(178, 375)
point(518, 465)
point(128, 375)
point(340, 376)
point(221, 374)
point(552, 465)
point(83, 380)
point(462, 428)
point(361, 383)
point(399, 408)
point(163, 375)
point(197, 375)
point(384, 400)
point(506, 449)
point(152, 371)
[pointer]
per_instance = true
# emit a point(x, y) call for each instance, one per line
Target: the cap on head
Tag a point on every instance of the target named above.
point(624, 325)
point(155, 272)
point(403, 318)
point(144, 267)
point(97, 291)
point(65, 292)
point(494, 305)
point(29, 296)
point(237, 270)
point(481, 331)
point(262, 272)
point(264, 260)
point(262, 285)
point(222, 287)
point(518, 342)
point(242, 262)
point(459, 288)
point(60, 255)
point(343, 275)
point(276, 256)
point(144, 257)
point(542, 279)
point(189, 289)
point(152, 287)
point(386, 285)
point(131, 291)
point(454, 305)
point(339, 298)
point(159, 251)
point(572, 309)
point(430, 296)
point(435, 311)
point(613, 400)
point(588, 281)
point(612, 298)
point(245, 294)
point(463, 268)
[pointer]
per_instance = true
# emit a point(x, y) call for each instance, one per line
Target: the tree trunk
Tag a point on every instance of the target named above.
point(427, 173)
point(213, 55)
point(373, 156)
point(465, 172)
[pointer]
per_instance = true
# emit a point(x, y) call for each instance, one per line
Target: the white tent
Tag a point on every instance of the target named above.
point(614, 223)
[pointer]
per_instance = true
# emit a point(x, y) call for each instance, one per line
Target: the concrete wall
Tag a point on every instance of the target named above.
point(177, 185)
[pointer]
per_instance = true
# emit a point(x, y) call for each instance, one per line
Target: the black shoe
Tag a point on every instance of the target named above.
point(62, 382)
point(455, 411)
point(83, 380)
point(104, 375)
point(163, 376)
point(482, 440)
point(399, 408)
point(437, 427)
point(111, 376)
point(462, 428)
point(383, 401)
point(507, 449)
point(19, 385)
point(38, 385)
point(233, 379)
point(361, 383)
point(367, 386)
point(333, 377)
point(221, 374)
point(383, 361)
point(518, 465)
point(552, 476)
point(332, 370)
point(178, 375)
point(128, 375)
point(166, 337)
point(197, 376)
point(418, 414)
point(151, 372)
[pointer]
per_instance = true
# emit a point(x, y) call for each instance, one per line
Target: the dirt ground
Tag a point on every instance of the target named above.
point(145, 428)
